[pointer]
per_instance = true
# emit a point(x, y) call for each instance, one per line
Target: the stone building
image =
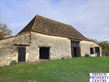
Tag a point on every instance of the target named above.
point(44, 38)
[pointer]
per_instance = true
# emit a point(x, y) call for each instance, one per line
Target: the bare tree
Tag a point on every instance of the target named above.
point(4, 31)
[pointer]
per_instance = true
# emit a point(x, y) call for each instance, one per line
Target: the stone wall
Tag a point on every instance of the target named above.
point(8, 50)
point(59, 47)
point(86, 45)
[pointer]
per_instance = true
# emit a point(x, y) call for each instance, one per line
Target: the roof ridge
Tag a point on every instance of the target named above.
point(34, 22)
point(27, 25)
point(61, 23)
point(65, 24)
point(54, 20)
point(48, 25)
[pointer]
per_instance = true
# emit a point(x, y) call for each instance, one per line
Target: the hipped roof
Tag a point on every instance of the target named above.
point(48, 26)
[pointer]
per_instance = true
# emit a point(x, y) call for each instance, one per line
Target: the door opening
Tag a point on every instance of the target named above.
point(75, 49)
point(97, 50)
point(21, 54)
point(75, 52)
point(91, 51)
point(44, 52)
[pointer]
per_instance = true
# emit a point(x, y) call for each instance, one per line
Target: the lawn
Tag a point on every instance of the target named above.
point(66, 70)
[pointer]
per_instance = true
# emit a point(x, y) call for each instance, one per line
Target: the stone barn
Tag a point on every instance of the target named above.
point(43, 38)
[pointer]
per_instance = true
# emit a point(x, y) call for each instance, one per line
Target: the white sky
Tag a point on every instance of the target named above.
point(90, 17)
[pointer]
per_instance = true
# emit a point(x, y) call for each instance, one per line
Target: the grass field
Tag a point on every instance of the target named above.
point(67, 70)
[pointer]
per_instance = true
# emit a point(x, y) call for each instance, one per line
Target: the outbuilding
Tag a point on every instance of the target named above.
point(43, 38)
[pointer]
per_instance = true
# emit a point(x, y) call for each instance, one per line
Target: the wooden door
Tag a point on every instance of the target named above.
point(21, 54)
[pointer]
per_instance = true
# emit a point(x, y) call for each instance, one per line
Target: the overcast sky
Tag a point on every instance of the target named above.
point(90, 17)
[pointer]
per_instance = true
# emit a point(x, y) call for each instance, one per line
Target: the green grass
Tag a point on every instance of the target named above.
point(67, 70)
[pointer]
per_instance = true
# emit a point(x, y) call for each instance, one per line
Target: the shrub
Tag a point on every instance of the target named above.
point(13, 62)
point(105, 48)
